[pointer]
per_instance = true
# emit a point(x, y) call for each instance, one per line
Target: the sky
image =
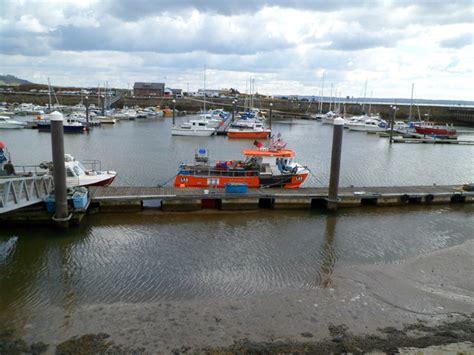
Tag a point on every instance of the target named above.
point(287, 46)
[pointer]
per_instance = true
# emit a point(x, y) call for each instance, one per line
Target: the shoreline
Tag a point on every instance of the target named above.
point(429, 289)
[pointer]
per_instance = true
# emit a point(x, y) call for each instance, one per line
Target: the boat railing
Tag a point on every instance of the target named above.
point(30, 170)
point(213, 171)
point(92, 164)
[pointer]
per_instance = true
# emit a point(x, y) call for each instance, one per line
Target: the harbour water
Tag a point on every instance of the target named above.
point(154, 257)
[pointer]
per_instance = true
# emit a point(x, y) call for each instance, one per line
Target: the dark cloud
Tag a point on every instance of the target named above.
point(460, 41)
point(135, 9)
point(165, 37)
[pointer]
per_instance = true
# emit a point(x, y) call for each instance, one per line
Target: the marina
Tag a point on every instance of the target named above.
point(232, 178)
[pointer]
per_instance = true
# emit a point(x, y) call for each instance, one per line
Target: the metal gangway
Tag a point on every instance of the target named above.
point(21, 191)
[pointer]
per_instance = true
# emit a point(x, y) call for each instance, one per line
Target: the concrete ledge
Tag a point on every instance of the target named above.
point(120, 206)
point(239, 204)
point(349, 201)
point(181, 205)
point(292, 203)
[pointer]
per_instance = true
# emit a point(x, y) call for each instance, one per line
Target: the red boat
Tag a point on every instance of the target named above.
point(272, 166)
point(435, 131)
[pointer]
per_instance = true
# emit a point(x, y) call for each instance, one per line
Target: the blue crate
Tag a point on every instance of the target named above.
point(50, 204)
point(236, 188)
point(79, 199)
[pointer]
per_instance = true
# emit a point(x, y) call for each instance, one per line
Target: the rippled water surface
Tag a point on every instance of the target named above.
point(153, 256)
point(144, 153)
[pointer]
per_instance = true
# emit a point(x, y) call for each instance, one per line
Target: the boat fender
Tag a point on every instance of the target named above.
point(405, 198)
point(429, 198)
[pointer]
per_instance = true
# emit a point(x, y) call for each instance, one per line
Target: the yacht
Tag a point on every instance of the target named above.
point(370, 125)
point(7, 123)
point(199, 128)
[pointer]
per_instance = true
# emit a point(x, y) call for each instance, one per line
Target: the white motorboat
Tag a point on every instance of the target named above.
point(78, 175)
point(7, 123)
point(370, 125)
point(198, 128)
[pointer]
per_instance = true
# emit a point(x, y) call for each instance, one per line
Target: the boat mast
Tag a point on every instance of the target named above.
point(49, 95)
point(330, 98)
point(204, 88)
point(322, 95)
point(370, 102)
point(411, 101)
point(365, 95)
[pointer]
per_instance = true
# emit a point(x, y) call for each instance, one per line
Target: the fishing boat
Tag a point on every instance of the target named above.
point(264, 166)
point(255, 131)
point(199, 128)
point(432, 130)
point(70, 125)
point(78, 175)
point(7, 123)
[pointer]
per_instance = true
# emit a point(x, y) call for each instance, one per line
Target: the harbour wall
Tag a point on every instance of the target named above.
point(282, 108)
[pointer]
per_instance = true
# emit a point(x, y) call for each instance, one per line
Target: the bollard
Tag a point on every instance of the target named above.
point(270, 116)
point(174, 111)
point(335, 164)
point(392, 122)
point(87, 111)
point(61, 216)
point(233, 111)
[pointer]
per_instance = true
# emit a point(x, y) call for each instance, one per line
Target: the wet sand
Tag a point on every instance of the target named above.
point(429, 290)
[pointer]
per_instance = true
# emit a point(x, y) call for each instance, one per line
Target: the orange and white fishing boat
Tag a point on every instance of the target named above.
point(255, 131)
point(271, 166)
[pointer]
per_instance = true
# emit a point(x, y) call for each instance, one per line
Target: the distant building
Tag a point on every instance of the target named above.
point(177, 92)
point(208, 92)
point(148, 89)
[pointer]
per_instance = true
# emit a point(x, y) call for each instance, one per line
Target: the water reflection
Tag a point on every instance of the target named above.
point(328, 253)
point(152, 257)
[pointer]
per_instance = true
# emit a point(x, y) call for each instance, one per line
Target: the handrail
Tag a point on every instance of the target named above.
point(21, 191)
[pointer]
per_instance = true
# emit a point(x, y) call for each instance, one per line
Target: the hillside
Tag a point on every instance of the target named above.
point(12, 80)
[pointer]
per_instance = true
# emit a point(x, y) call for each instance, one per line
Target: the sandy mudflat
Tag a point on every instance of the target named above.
point(428, 289)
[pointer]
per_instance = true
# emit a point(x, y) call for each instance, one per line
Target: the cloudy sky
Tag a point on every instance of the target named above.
point(288, 46)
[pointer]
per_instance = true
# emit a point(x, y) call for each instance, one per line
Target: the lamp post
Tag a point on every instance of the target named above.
point(174, 111)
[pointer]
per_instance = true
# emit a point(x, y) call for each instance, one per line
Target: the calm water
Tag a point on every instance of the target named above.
point(144, 153)
point(152, 256)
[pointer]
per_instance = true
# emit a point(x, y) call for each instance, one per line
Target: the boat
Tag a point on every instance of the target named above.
point(369, 125)
point(255, 131)
point(7, 123)
point(78, 175)
point(432, 130)
point(271, 166)
point(106, 120)
point(70, 125)
point(199, 128)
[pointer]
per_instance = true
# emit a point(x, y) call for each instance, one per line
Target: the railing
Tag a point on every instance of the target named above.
point(19, 192)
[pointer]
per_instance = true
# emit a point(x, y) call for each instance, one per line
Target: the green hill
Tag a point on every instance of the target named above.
point(12, 80)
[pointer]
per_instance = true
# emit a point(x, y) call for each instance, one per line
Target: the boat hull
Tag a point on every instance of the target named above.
point(67, 129)
point(190, 132)
point(248, 135)
point(435, 131)
point(281, 181)
point(11, 126)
